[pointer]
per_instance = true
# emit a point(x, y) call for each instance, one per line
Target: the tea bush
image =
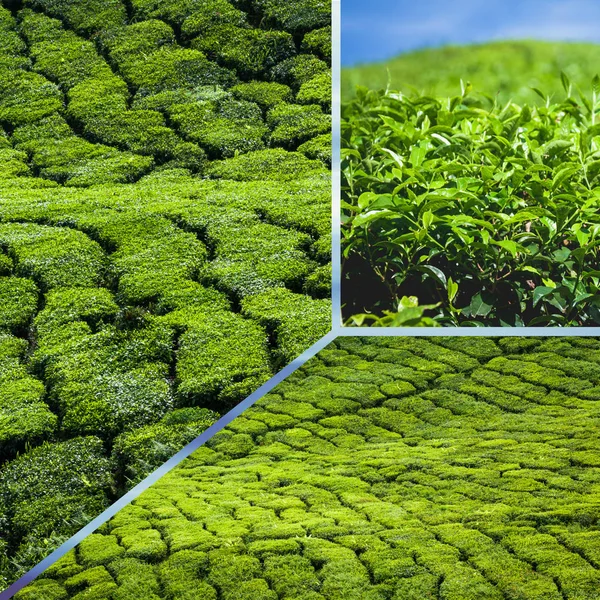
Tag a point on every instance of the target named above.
point(316, 90)
point(251, 52)
point(274, 164)
point(25, 419)
point(18, 302)
point(225, 130)
point(319, 148)
point(302, 16)
point(216, 13)
point(26, 97)
point(367, 475)
point(244, 365)
point(264, 93)
point(74, 474)
point(173, 67)
point(472, 212)
point(88, 17)
point(53, 256)
point(294, 319)
point(318, 41)
point(59, 155)
point(240, 245)
point(61, 56)
point(292, 124)
point(12, 47)
point(298, 70)
point(142, 205)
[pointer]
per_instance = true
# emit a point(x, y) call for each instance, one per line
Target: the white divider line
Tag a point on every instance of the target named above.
point(469, 331)
point(336, 119)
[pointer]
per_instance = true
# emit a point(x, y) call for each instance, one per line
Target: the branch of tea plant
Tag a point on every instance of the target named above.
point(573, 301)
point(383, 275)
point(584, 169)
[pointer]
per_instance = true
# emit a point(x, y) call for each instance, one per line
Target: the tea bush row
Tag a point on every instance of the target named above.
point(25, 419)
point(89, 79)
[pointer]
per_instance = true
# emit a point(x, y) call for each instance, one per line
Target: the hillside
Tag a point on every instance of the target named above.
point(384, 469)
point(507, 68)
point(165, 236)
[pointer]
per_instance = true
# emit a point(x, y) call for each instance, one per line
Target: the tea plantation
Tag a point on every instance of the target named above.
point(384, 469)
point(507, 69)
point(164, 236)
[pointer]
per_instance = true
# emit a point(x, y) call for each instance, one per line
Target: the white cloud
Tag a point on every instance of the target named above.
point(425, 17)
point(555, 20)
point(388, 27)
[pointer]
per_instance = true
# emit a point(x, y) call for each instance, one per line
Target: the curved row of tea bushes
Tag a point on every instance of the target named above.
point(32, 106)
point(384, 468)
point(162, 90)
point(25, 419)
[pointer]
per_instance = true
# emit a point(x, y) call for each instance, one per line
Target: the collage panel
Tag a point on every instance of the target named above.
point(197, 225)
point(384, 468)
point(470, 164)
point(165, 237)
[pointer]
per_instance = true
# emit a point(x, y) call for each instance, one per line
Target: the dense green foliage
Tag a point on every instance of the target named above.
point(150, 203)
point(487, 214)
point(506, 69)
point(384, 469)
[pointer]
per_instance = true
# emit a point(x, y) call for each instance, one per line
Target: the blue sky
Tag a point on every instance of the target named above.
point(374, 30)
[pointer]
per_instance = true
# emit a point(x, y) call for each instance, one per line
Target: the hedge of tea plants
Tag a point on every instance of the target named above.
point(165, 236)
point(383, 469)
point(465, 211)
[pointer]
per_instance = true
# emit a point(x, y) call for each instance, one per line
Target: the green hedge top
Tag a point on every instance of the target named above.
point(264, 93)
point(87, 16)
point(65, 468)
point(318, 42)
point(53, 256)
point(18, 302)
point(298, 16)
point(67, 59)
point(274, 164)
point(128, 44)
point(251, 52)
point(26, 97)
point(62, 306)
point(298, 70)
point(172, 68)
point(12, 48)
point(177, 11)
point(210, 16)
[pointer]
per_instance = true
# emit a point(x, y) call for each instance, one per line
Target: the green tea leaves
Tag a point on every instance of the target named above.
point(479, 306)
point(490, 214)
